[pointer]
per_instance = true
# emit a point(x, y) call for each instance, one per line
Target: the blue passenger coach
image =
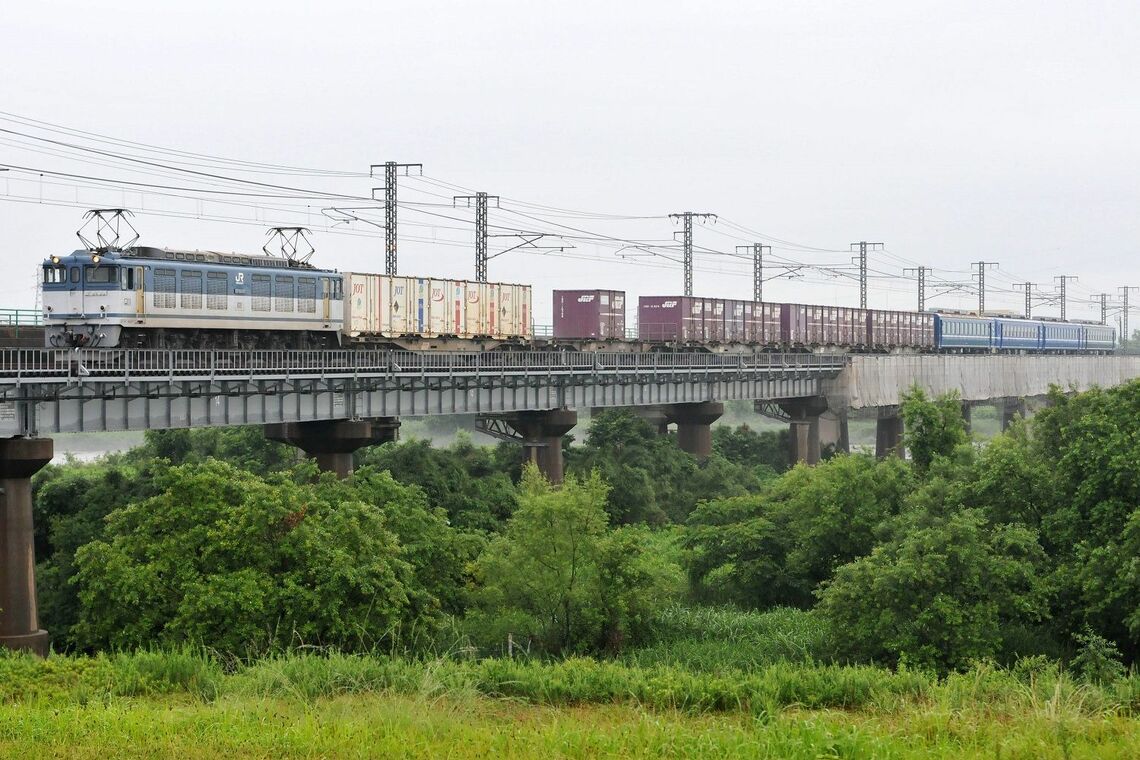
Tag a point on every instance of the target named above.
point(971, 334)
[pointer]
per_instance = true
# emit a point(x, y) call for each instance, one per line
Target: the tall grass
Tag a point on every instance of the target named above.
point(715, 639)
point(1043, 692)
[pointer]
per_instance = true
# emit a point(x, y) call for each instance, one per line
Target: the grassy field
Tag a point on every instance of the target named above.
point(188, 705)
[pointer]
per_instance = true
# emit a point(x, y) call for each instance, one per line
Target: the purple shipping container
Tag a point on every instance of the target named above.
point(688, 319)
point(591, 314)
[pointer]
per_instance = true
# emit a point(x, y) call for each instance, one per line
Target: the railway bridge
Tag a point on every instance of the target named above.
point(330, 403)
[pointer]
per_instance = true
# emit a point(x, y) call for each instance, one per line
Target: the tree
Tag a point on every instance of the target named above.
point(224, 558)
point(559, 578)
point(744, 446)
point(934, 427)
point(775, 547)
point(465, 480)
point(938, 597)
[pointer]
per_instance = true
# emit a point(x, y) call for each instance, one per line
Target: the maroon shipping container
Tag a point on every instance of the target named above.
point(589, 314)
point(901, 329)
point(688, 319)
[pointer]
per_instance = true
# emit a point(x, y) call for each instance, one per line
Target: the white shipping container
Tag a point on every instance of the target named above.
point(383, 306)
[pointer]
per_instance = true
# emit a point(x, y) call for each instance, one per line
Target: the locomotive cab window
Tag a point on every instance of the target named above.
point(73, 274)
point(101, 275)
point(54, 275)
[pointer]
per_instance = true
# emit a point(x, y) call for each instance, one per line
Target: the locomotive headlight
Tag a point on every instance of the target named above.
point(95, 259)
point(55, 259)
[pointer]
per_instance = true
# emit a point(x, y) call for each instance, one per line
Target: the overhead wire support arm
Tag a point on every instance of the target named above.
point(686, 218)
point(1028, 287)
point(1102, 300)
point(480, 199)
point(528, 241)
point(863, 247)
point(391, 171)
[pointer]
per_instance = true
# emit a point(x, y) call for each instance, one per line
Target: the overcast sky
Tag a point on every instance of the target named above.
point(951, 131)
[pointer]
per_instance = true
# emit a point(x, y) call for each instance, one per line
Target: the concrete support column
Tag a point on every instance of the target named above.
point(804, 438)
point(1010, 408)
point(20, 458)
point(542, 433)
point(833, 431)
point(889, 434)
point(694, 426)
point(332, 442)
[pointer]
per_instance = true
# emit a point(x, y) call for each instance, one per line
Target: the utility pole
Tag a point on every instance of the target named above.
point(1103, 307)
point(480, 199)
point(1064, 278)
point(921, 272)
point(757, 268)
point(391, 168)
point(1124, 290)
point(864, 246)
point(686, 218)
point(981, 275)
point(1028, 298)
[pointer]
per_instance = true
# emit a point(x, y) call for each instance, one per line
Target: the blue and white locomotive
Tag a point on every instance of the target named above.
point(160, 298)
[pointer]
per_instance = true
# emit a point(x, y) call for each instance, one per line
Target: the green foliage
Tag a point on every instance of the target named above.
point(223, 558)
point(933, 427)
point(1097, 660)
point(246, 448)
point(741, 445)
point(560, 580)
point(651, 480)
point(468, 482)
point(939, 596)
point(70, 504)
point(775, 547)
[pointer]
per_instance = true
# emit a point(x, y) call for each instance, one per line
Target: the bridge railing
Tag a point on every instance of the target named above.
point(21, 317)
point(128, 363)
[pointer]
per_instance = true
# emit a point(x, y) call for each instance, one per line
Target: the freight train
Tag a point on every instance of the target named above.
point(160, 298)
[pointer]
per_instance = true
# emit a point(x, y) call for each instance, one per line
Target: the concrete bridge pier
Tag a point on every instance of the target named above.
point(1010, 408)
point(542, 433)
point(889, 433)
point(694, 426)
point(833, 430)
point(967, 417)
point(804, 438)
point(333, 442)
point(20, 458)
